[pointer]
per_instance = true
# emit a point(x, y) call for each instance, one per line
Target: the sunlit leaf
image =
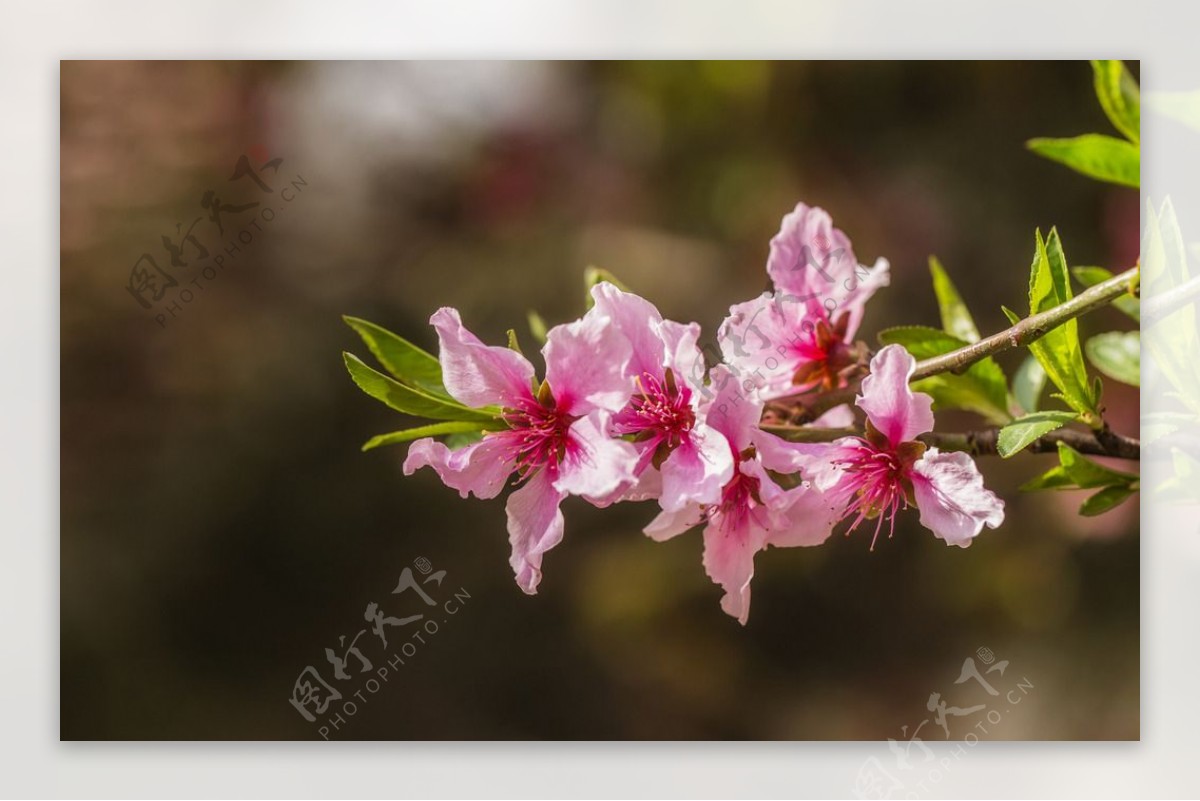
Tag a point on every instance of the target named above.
point(1104, 158)
point(956, 319)
point(1028, 383)
point(537, 326)
point(1054, 478)
point(433, 430)
point(408, 363)
point(1105, 500)
point(1117, 354)
point(1119, 96)
point(1022, 432)
point(1087, 474)
point(408, 399)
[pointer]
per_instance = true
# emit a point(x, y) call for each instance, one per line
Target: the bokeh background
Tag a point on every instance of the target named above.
point(220, 527)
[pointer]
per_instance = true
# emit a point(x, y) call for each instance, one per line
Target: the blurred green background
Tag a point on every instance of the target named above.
point(220, 527)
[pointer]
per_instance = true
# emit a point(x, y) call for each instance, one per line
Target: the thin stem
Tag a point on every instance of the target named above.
point(1031, 328)
point(983, 442)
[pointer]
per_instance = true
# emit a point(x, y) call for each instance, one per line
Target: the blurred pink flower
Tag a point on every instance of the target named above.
point(753, 511)
point(556, 443)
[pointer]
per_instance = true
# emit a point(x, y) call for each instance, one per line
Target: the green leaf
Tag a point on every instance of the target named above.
point(408, 399)
point(537, 326)
point(456, 441)
point(1054, 478)
point(1090, 276)
point(1058, 350)
point(956, 319)
point(1117, 354)
point(433, 430)
point(982, 388)
point(598, 275)
point(1087, 474)
point(1119, 96)
point(1104, 158)
point(404, 360)
point(513, 344)
point(1028, 383)
point(1020, 434)
point(1106, 499)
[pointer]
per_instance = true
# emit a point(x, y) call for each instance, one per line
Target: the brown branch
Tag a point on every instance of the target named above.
point(1031, 328)
point(983, 442)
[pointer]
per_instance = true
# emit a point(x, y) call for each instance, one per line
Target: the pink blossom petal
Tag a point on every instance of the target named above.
point(782, 456)
point(808, 255)
point(808, 518)
point(636, 319)
point(837, 417)
point(696, 470)
point(586, 363)
point(729, 549)
point(954, 503)
point(765, 341)
point(672, 524)
point(535, 525)
point(682, 354)
point(730, 409)
point(595, 465)
point(866, 283)
point(480, 468)
point(893, 408)
point(476, 374)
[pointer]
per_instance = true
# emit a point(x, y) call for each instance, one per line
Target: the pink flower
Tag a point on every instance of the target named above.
point(753, 511)
point(889, 470)
point(556, 442)
point(802, 336)
point(680, 458)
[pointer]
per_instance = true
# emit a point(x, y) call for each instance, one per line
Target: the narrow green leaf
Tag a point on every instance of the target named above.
point(408, 363)
point(1087, 474)
point(1059, 351)
point(537, 326)
point(432, 430)
point(408, 399)
point(1119, 96)
point(513, 344)
point(1106, 499)
point(456, 441)
point(1054, 478)
point(1117, 354)
point(982, 388)
point(1028, 383)
point(956, 319)
point(1104, 158)
point(1126, 304)
point(1020, 434)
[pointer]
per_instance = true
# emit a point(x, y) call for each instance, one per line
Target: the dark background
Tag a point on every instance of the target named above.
point(220, 527)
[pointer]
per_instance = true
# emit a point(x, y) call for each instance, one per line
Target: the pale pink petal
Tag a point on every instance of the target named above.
point(807, 519)
point(477, 374)
point(682, 354)
point(867, 281)
point(764, 341)
point(729, 407)
point(729, 549)
point(837, 417)
point(634, 318)
point(696, 470)
point(782, 456)
point(895, 410)
point(480, 468)
point(535, 525)
point(586, 363)
point(672, 524)
point(954, 503)
point(595, 465)
point(809, 255)
point(647, 487)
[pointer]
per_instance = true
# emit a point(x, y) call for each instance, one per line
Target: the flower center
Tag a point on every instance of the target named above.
point(827, 355)
point(539, 433)
point(880, 486)
point(661, 410)
point(737, 496)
